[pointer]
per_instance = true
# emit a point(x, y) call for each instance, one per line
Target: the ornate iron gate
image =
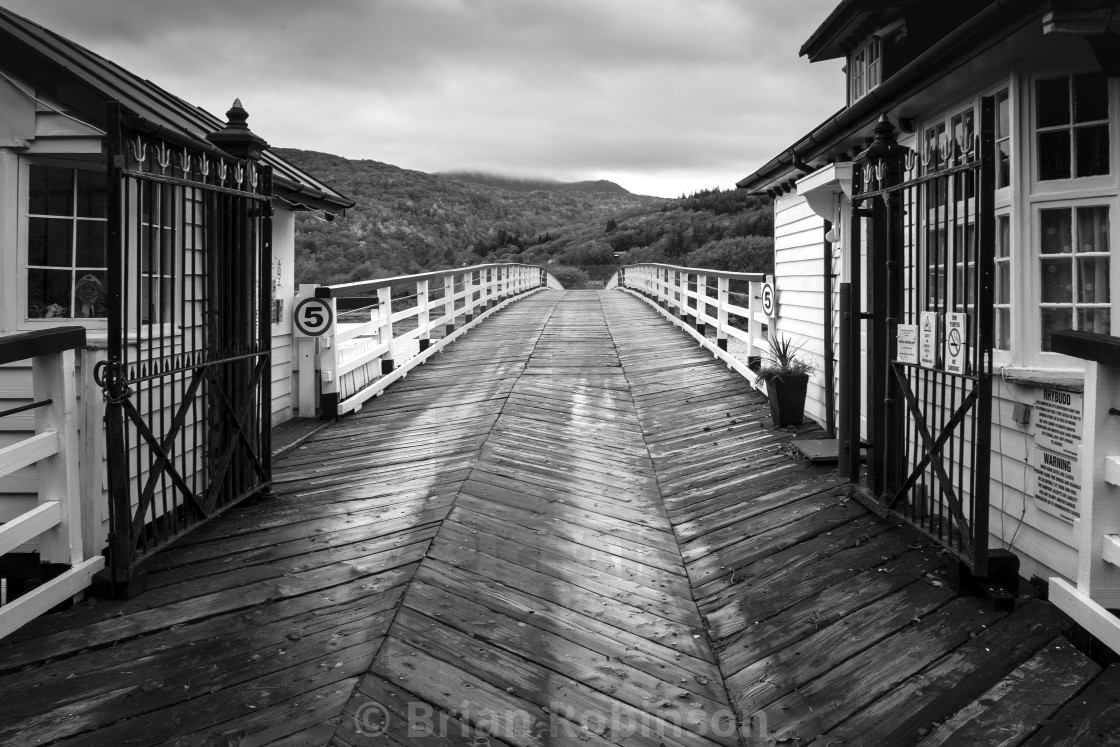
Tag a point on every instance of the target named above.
point(187, 380)
point(929, 221)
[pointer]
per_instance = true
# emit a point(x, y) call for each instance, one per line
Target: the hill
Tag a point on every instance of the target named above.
point(514, 184)
point(409, 221)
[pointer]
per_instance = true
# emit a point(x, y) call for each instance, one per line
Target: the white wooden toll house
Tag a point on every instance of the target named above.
point(160, 240)
point(949, 239)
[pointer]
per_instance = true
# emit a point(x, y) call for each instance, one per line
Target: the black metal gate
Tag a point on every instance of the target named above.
point(927, 218)
point(187, 380)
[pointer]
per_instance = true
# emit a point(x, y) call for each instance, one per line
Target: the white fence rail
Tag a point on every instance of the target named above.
point(699, 299)
point(374, 332)
point(54, 526)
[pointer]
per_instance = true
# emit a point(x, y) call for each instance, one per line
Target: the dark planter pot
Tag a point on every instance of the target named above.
point(787, 398)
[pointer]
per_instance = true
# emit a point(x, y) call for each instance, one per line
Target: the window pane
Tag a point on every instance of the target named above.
point(1092, 150)
point(1092, 229)
point(1003, 115)
point(1057, 280)
point(50, 191)
point(1094, 320)
point(1003, 236)
point(1053, 102)
point(1003, 282)
point(1090, 97)
point(1053, 155)
point(91, 244)
point(89, 295)
point(1092, 280)
point(1057, 234)
point(92, 194)
point(1003, 329)
point(49, 242)
point(1003, 167)
point(48, 294)
point(1052, 321)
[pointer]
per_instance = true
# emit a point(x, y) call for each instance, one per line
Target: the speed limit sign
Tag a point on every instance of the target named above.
point(768, 299)
point(313, 316)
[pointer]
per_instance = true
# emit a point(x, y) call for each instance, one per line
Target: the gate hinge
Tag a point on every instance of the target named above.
point(866, 315)
point(118, 162)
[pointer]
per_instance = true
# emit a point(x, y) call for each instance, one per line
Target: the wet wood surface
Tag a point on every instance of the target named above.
point(572, 526)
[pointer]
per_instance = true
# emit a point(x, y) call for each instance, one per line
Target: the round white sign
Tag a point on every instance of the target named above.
point(313, 316)
point(768, 299)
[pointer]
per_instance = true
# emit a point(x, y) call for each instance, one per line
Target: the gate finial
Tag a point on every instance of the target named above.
point(236, 138)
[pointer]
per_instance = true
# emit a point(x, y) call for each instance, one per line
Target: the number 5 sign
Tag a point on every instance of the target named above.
point(313, 316)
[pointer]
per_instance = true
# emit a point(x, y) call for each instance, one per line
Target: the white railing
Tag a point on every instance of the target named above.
point(689, 296)
point(374, 332)
point(54, 526)
point(1097, 531)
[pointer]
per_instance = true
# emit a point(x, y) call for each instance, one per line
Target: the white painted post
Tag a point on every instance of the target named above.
point(328, 365)
point(423, 317)
point(1100, 496)
point(385, 329)
point(754, 331)
point(91, 458)
point(722, 289)
point(701, 303)
point(52, 378)
point(307, 395)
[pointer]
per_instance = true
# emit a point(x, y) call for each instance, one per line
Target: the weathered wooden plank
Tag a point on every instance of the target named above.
point(537, 685)
point(1092, 717)
point(952, 682)
point(824, 702)
point(1015, 707)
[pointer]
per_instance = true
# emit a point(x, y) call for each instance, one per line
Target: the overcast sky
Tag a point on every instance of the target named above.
point(662, 96)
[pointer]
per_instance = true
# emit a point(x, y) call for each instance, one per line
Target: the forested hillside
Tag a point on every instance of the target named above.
point(409, 221)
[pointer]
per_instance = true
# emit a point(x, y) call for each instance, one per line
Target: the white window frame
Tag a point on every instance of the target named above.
point(865, 74)
point(23, 237)
point(1036, 195)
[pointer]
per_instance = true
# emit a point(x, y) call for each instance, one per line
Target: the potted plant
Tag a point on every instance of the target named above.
point(786, 373)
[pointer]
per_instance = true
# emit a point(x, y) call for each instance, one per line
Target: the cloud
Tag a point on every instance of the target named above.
point(646, 90)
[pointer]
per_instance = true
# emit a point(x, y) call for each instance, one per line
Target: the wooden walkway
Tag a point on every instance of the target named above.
point(571, 527)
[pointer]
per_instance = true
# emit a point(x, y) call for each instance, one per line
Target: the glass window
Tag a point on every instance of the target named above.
point(1074, 270)
point(1002, 294)
point(1071, 122)
point(1003, 140)
point(865, 68)
point(66, 265)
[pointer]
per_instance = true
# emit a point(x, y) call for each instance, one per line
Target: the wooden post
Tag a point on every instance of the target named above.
point(1100, 487)
point(385, 330)
point(307, 394)
point(328, 366)
point(92, 456)
point(701, 303)
point(423, 319)
point(52, 378)
point(722, 290)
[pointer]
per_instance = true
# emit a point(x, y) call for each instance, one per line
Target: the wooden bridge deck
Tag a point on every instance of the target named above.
point(571, 527)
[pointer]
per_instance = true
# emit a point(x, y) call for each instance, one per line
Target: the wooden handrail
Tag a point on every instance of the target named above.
point(42, 342)
point(364, 286)
point(1089, 346)
point(668, 288)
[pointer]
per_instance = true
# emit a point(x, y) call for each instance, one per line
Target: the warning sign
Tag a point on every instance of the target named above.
point(1057, 488)
point(1056, 420)
point(907, 343)
point(929, 342)
point(956, 342)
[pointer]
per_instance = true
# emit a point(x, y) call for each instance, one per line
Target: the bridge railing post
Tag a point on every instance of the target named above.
point(754, 326)
point(722, 287)
point(328, 364)
point(702, 303)
point(385, 329)
point(423, 315)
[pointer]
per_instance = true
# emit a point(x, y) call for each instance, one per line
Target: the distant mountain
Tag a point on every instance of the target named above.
point(407, 221)
point(516, 184)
